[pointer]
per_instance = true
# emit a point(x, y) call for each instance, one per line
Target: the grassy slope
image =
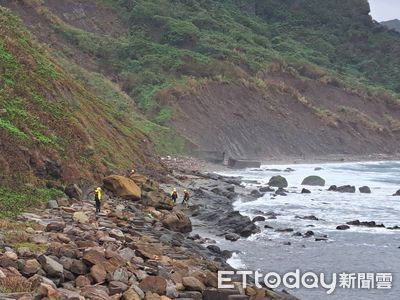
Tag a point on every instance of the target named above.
point(170, 42)
point(47, 115)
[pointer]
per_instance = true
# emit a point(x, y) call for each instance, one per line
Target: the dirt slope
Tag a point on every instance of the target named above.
point(283, 115)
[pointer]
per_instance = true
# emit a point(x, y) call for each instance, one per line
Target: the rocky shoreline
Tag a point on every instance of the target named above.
point(134, 249)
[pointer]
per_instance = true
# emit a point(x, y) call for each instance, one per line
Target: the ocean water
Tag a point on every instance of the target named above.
point(358, 250)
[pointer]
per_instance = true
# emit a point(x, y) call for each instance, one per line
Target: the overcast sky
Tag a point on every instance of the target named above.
point(384, 10)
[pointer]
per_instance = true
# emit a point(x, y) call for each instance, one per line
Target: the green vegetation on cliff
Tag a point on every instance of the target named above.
point(171, 41)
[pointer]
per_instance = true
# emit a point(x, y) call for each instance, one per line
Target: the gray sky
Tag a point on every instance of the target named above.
point(384, 10)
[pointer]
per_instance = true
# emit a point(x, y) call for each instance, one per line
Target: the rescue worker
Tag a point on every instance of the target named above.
point(186, 197)
point(174, 195)
point(97, 199)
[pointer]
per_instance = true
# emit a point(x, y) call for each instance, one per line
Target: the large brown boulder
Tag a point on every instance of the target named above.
point(122, 187)
point(177, 221)
point(154, 284)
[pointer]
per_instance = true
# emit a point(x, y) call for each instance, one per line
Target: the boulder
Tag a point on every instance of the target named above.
point(256, 194)
point(313, 181)
point(343, 227)
point(52, 204)
point(193, 284)
point(266, 189)
point(305, 191)
point(117, 287)
point(232, 237)
point(346, 189)
point(140, 180)
point(67, 294)
point(73, 191)
point(31, 267)
point(122, 187)
point(237, 223)
point(332, 188)
point(154, 284)
point(117, 234)
point(397, 193)
point(281, 192)
point(258, 219)
point(95, 293)
point(130, 294)
point(82, 281)
point(80, 217)
point(365, 190)
point(55, 227)
point(94, 257)
point(51, 267)
point(278, 181)
point(78, 267)
point(98, 273)
point(177, 221)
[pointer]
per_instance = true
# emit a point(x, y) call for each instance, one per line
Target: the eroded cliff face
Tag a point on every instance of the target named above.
point(284, 116)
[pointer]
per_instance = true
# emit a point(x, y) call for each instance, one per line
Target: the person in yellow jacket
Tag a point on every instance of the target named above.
point(97, 199)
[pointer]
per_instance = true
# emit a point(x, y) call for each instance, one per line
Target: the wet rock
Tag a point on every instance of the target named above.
point(287, 243)
point(73, 191)
point(154, 284)
point(343, 227)
point(284, 230)
point(305, 191)
point(122, 187)
point(232, 237)
point(366, 224)
point(258, 219)
point(281, 192)
point(346, 189)
point(309, 234)
point(313, 181)
point(312, 218)
point(239, 224)
point(365, 190)
point(278, 181)
point(266, 189)
point(193, 284)
point(256, 194)
point(397, 193)
point(297, 234)
point(332, 188)
point(268, 227)
point(177, 221)
point(318, 169)
point(394, 228)
point(214, 248)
